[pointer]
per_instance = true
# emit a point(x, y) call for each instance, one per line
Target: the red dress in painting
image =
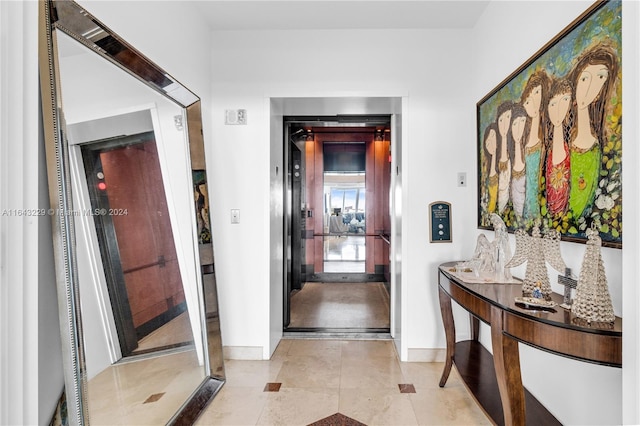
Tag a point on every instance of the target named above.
point(558, 183)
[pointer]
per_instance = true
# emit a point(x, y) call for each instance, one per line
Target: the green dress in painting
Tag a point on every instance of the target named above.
point(532, 158)
point(585, 172)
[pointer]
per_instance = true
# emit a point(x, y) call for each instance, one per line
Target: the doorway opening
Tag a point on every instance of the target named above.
point(337, 224)
point(134, 234)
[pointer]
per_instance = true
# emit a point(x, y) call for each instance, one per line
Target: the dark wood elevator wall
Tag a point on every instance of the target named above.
point(145, 239)
point(377, 181)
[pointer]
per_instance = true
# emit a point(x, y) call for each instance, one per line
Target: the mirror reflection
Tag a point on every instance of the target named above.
point(134, 233)
point(130, 159)
point(138, 282)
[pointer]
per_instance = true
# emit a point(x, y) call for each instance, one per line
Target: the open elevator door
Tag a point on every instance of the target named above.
point(321, 172)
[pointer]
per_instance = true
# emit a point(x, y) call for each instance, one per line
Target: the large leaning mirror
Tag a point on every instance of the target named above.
point(131, 228)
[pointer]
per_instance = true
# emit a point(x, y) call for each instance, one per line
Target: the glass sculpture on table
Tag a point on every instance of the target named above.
point(502, 249)
point(483, 256)
point(491, 257)
point(537, 251)
point(593, 302)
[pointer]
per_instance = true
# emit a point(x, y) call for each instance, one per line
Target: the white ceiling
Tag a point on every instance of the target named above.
point(340, 14)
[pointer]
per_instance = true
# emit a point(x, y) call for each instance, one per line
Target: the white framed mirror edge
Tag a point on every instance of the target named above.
point(59, 169)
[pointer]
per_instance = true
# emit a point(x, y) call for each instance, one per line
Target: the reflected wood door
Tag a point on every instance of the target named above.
point(137, 238)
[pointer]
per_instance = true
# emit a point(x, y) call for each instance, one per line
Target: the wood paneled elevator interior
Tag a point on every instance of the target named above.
point(337, 215)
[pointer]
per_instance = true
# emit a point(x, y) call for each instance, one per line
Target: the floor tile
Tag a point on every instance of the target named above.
point(340, 305)
point(406, 388)
point(381, 406)
point(315, 347)
point(299, 406)
point(282, 349)
point(357, 349)
point(424, 374)
point(234, 406)
point(251, 373)
point(313, 371)
point(337, 419)
point(364, 373)
point(318, 378)
point(272, 387)
point(451, 405)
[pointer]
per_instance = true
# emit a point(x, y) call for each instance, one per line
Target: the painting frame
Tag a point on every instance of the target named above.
point(549, 136)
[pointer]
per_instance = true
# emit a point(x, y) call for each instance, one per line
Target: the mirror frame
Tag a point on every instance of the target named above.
point(61, 205)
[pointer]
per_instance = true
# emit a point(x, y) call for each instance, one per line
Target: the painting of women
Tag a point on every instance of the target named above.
point(490, 146)
point(558, 158)
point(533, 100)
point(516, 154)
point(593, 77)
point(561, 167)
point(504, 162)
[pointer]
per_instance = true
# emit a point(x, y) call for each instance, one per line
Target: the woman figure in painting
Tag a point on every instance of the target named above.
point(516, 155)
point(490, 150)
point(504, 162)
point(202, 213)
point(533, 100)
point(593, 77)
point(558, 159)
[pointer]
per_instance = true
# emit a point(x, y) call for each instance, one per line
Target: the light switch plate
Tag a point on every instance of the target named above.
point(235, 215)
point(462, 179)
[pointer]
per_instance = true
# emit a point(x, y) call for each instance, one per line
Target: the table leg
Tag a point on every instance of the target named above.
point(449, 331)
point(475, 327)
point(506, 359)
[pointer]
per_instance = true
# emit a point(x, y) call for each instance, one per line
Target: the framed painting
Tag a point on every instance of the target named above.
point(550, 135)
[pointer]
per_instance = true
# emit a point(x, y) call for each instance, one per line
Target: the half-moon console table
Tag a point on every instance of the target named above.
point(487, 376)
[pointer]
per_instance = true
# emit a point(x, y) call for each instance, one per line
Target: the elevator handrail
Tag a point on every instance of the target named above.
point(384, 237)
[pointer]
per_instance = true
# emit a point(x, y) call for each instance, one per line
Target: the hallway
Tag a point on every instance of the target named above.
point(309, 380)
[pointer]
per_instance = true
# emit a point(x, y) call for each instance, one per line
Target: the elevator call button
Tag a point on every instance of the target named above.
point(440, 222)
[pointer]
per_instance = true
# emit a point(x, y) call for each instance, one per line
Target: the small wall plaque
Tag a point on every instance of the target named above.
point(440, 222)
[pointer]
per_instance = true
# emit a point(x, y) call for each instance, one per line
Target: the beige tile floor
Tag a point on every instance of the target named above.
point(340, 305)
point(358, 378)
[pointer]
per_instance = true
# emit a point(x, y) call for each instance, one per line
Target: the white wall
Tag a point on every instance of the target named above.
point(507, 35)
point(30, 356)
point(252, 65)
point(631, 179)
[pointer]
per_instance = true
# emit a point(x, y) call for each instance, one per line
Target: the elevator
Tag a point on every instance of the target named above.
point(337, 223)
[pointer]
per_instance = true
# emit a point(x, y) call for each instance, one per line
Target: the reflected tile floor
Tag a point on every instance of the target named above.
point(143, 392)
point(340, 382)
point(175, 332)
